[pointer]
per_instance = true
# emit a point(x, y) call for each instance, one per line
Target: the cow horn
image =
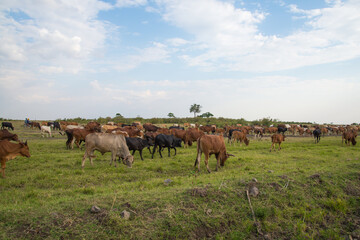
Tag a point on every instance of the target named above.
point(25, 142)
point(230, 155)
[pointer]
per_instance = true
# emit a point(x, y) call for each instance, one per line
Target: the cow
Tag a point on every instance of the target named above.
point(281, 130)
point(164, 141)
point(7, 125)
point(192, 135)
point(9, 150)
point(150, 127)
point(79, 135)
point(211, 144)
point(5, 134)
point(277, 138)
point(207, 129)
point(258, 131)
point(272, 130)
point(176, 127)
point(137, 144)
point(36, 125)
point(56, 125)
point(317, 135)
point(107, 142)
point(324, 131)
point(239, 137)
point(44, 130)
point(105, 128)
point(179, 133)
point(349, 136)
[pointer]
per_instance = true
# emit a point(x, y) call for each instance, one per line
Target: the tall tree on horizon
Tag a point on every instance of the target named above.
point(195, 108)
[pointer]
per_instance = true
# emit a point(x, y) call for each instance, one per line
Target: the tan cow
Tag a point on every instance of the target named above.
point(277, 138)
point(9, 150)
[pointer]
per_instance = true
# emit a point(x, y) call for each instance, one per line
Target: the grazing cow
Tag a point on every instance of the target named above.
point(211, 144)
point(277, 138)
point(207, 129)
point(349, 136)
point(36, 125)
point(239, 137)
point(282, 130)
point(107, 142)
point(6, 135)
point(7, 125)
point(150, 127)
point(137, 144)
point(258, 131)
point(317, 135)
point(44, 130)
point(324, 131)
point(164, 141)
point(192, 135)
point(9, 150)
point(272, 130)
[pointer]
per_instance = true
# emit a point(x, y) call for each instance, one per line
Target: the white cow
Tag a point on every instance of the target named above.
point(45, 129)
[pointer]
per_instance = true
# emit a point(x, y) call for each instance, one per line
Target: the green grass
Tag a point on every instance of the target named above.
point(307, 191)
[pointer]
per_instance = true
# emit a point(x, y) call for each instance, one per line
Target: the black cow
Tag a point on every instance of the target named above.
point(57, 126)
point(317, 135)
point(231, 132)
point(7, 125)
point(164, 141)
point(282, 130)
point(137, 144)
point(177, 127)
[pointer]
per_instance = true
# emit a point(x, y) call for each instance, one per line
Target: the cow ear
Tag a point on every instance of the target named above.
point(25, 143)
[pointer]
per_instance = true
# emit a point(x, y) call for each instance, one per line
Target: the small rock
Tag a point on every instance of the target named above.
point(253, 191)
point(167, 181)
point(125, 215)
point(270, 171)
point(255, 180)
point(95, 209)
point(208, 212)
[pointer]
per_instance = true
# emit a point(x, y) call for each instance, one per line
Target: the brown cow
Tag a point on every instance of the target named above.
point(207, 129)
point(239, 136)
point(349, 136)
point(9, 150)
point(5, 134)
point(79, 135)
point(35, 124)
point(191, 135)
point(277, 138)
point(179, 133)
point(272, 130)
point(211, 144)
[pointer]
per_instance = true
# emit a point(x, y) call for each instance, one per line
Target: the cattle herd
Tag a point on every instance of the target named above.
point(120, 139)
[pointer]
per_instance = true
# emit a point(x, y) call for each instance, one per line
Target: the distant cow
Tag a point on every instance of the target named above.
point(277, 138)
point(349, 136)
point(150, 127)
point(107, 142)
point(164, 141)
point(7, 125)
point(137, 144)
point(282, 130)
point(44, 130)
point(211, 144)
point(9, 150)
point(317, 135)
point(35, 125)
point(239, 137)
point(192, 135)
point(6, 135)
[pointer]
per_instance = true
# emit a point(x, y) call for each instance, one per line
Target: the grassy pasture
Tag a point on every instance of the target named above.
point(307, 191)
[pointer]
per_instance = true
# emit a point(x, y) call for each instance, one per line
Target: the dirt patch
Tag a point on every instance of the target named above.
point(352, 190)
point(201, 192)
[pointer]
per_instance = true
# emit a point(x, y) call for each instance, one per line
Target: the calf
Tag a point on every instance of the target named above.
point(6, 135)
point(137, 144)
point(277, 138)
point(9, 150)
point(211, 144)
point(44, 130)
point(239, 137)
point(317, 135)
point(164, 141)
point(7, 125)
point(349, 136)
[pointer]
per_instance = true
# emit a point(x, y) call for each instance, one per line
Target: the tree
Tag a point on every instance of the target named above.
point(195, 108)
point(206, 115)
point(119, 115)
point(171, 115)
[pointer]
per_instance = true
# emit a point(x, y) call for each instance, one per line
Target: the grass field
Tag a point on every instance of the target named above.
point(307, 191)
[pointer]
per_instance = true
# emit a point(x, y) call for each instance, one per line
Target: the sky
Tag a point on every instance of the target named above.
point(287, 60)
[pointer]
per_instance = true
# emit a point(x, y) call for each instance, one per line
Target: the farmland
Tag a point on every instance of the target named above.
point(306, 190)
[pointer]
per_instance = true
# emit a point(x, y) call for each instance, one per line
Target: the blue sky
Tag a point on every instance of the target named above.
point(289, 60)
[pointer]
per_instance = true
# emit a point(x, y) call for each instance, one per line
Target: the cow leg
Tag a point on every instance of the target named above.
point(133, 152)
point(140, 151)
point(217, 161)
point(113, 158)
point(154, 149)
point(175, 151)
point(207, 162)
point(279, 146)
point(160, 151)
point(72, 143)
point(84, 158)
point(272, 146)
point(198, 159)
point(3, 163)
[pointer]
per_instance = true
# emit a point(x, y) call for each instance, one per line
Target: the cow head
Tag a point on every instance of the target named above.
point(224, 158)
point(128, 161)
point(177, 142)
point(24, 150)
point(246, 141)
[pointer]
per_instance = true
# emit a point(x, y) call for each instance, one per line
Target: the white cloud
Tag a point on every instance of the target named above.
point(130, 3)
point(231, 40)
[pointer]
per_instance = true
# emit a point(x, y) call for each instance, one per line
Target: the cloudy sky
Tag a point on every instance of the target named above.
point(289, 60)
